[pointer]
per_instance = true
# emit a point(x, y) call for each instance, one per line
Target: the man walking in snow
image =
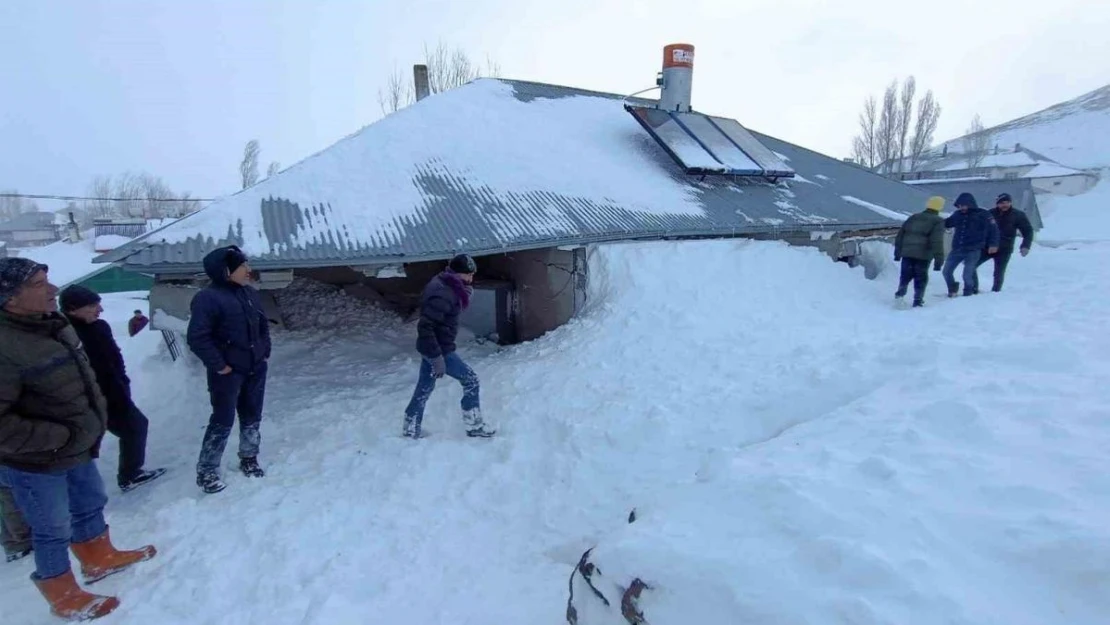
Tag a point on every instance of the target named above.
point(1010, 221)
point(975, 231)
point(443, 300)
point(52, 419)
point(230, 334)
point(82, 307)
point(920, 239)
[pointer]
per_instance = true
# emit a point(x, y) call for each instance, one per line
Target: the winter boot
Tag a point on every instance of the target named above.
point(250, 468)
point(954, 289)
point(918, 303)
point(69, 602)
point(140, 478)
point(411, 429)
point(17, 555)
point(210, 482)
point(475, 426)
point(900, 301)
point(99, 558)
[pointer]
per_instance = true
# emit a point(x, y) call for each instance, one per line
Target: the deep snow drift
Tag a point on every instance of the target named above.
point(1079, 218)
point(798, 452)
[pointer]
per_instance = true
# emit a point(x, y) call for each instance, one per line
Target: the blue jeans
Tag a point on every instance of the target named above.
point(970, 259)
point(61, 507)
point(230, 394)
point(457, 369)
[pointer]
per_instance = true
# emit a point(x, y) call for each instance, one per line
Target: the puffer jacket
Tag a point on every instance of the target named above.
point(52, 414)
point(440, 307)
point(921, 237)
point(227, 326)
point(975, 230)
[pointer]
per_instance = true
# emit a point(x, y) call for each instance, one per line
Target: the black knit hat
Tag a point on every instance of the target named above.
point(463, 263)
point(14, 272)
point(1004, 197)
point(77, 296)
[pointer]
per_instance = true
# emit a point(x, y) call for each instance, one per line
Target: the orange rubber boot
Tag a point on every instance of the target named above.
point(69, 602)
point(99, 558)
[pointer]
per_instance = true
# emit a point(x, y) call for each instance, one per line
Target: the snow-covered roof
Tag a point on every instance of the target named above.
point(1019, 158)
point(1053, 170)
point(499, 165)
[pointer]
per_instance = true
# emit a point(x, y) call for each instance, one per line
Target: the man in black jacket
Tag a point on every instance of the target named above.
point(230, 334)
point(82, 307)
point(1010, 221)
point(443, 300)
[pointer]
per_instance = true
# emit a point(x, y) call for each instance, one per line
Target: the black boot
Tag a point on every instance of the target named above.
point(210, 482)
point(250, 467)
point(17, 555)
point(140, 478)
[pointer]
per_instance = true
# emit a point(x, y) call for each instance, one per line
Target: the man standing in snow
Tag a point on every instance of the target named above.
point(443, 300)
point(1010, 221)
point(975, 231)
point(137, 323)
point(52, 419)
point(920, 240)
point(82, 307)
point(15, 536)
point(230, 334)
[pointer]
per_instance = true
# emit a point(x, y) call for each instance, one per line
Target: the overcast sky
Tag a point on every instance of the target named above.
point(176, 88)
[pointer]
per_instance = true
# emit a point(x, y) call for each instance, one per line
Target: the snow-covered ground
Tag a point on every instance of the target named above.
point(1079, 218)
point(797, 450)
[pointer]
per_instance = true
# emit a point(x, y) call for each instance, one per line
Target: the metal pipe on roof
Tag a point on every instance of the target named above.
point(420, 80)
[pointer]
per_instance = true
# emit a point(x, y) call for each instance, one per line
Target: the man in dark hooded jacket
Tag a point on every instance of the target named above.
point(1010, 221)
point(82, 307)
point(230, 334)
point(975, 231)
point(919, 240)
point(443, 300)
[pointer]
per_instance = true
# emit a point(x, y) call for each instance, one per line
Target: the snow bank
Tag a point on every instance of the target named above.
point(1079, 218)
point(309, 304)
point(797, 452)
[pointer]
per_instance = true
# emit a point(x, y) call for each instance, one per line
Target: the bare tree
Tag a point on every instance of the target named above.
point(976, 143)
point(864, 146)
point(887, 136)
point(905, 119)
point(100, 188)
point(928, 114)
point(273, 169)
point(447, 68)
point(10, 207)
point(248, 168)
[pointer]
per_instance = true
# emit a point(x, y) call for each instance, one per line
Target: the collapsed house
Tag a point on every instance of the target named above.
point(526, 177)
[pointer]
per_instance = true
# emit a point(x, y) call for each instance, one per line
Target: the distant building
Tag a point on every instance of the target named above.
point(1045, 174)
point(29, 230)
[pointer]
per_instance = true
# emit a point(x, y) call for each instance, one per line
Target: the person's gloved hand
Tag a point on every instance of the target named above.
point(439, 367)
point(1024, 251)
point(897, 258)
point(936, 265)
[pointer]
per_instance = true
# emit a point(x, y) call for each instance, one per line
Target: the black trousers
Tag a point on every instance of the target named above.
point(916, 271)
point(1001, 261)
point(130, 426)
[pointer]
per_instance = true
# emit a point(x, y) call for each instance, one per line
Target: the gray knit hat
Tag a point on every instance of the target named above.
point(13, 273)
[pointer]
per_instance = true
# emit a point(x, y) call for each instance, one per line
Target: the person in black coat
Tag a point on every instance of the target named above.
point(443, 300)
point(82, 307)
point(230, 333)
point(1010, 221)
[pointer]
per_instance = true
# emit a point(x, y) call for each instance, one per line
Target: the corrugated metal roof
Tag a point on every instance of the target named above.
point(124, 230)
point(459, 213)
point(986, 191)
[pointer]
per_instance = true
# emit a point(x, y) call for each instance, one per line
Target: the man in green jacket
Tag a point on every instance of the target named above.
point(920, 240)
point(52, 419)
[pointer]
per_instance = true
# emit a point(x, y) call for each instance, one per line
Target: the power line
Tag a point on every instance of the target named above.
point(32, 196)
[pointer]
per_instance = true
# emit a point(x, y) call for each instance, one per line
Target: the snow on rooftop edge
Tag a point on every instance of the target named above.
point(886, 212)
point(579, 146)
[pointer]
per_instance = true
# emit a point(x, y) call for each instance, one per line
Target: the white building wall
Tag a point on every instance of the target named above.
point(1065, 185)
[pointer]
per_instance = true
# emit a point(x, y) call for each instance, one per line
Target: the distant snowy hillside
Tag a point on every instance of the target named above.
point(1074, 133)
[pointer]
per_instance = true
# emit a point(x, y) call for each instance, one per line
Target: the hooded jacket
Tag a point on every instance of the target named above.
point(107, 362)
point(975, 228)
point(227, 327)
point(52, 414)
point(440, 307)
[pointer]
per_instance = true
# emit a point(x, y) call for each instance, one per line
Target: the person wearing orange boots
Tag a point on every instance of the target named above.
point(52, 420)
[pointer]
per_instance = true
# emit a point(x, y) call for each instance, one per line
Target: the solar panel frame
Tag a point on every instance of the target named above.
point(683, 147)
point(772, 165)
point(718, 144)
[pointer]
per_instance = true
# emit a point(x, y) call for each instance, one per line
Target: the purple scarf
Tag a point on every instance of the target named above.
point(452, 279)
